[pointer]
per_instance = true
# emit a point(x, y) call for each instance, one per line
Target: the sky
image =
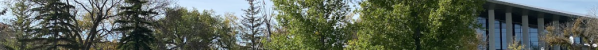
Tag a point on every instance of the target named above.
point(219, 6)
point(235, 6)
point(580, 7)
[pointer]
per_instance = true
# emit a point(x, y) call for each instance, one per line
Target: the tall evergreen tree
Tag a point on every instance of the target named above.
point(21, 10)
point(134, 21)
point(57, 23)
point(252, 25)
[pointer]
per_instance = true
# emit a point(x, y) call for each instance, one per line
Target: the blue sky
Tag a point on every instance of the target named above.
point(580, 7)
point(569, 6)
point(236, 6)
point(219, 6)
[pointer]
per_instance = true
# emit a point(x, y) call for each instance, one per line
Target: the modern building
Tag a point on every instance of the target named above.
point(504, 22)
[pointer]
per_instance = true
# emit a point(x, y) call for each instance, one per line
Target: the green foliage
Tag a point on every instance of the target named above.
point(20, 28)
point(58, 29)
point(359, 44)
point(311, 24)
point(412, 24)
point(227, 35)
point(135, 23)
point(194, 30)
point(303, 25)
point(198, 29)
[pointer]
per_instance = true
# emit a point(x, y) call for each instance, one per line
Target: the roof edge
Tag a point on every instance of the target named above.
point(536, 9)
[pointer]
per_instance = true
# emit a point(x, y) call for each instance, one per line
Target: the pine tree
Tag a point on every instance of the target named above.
point(252, 23)
point(57, 23)
point(22, 10)
point(136, 25)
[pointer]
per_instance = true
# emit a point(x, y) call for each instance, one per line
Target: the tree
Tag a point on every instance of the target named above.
point(169, 27)
point(188, 28)
point(100, 14)
point(417, 24)
point(97, 12)
point(516, 46)
point(582, 27)
point(227, 34)
point(5, 34)
point(195, 30)
point(202, 28)
point(310, 24)
point(134, 21)
point(252, 25)
point(559, 34)
point(267, 19)
point(57, 23)
point(21, 26)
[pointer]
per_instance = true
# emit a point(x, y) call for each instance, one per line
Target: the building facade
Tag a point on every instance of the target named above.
point(505, 22)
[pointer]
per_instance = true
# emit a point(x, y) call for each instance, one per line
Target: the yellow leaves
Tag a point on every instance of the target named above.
point(516, 46)
point(554, 39)
point(317, 33)
point(559, 34)
point(576, 26)
point(230, 19)
point(85, 22)
point(550, 28)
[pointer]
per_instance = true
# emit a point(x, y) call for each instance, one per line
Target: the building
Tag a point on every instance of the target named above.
point(504, 22)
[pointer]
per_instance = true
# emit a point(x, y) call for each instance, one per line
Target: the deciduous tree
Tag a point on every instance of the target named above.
point(310, 24)
point(97, 13)
point(417, 24)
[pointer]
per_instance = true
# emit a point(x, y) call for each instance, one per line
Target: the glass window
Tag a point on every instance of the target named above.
point(501, 32)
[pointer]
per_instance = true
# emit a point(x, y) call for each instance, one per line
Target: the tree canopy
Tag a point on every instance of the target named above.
point(134, 21)
point(311, 24)
point(298, 25)
point(417, 24)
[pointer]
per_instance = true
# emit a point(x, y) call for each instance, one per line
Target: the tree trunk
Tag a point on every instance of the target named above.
point(22, 43)
point(417, 31)
point(323, 42)
point(92, 33)
point(55, 41)
point(416, 37)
